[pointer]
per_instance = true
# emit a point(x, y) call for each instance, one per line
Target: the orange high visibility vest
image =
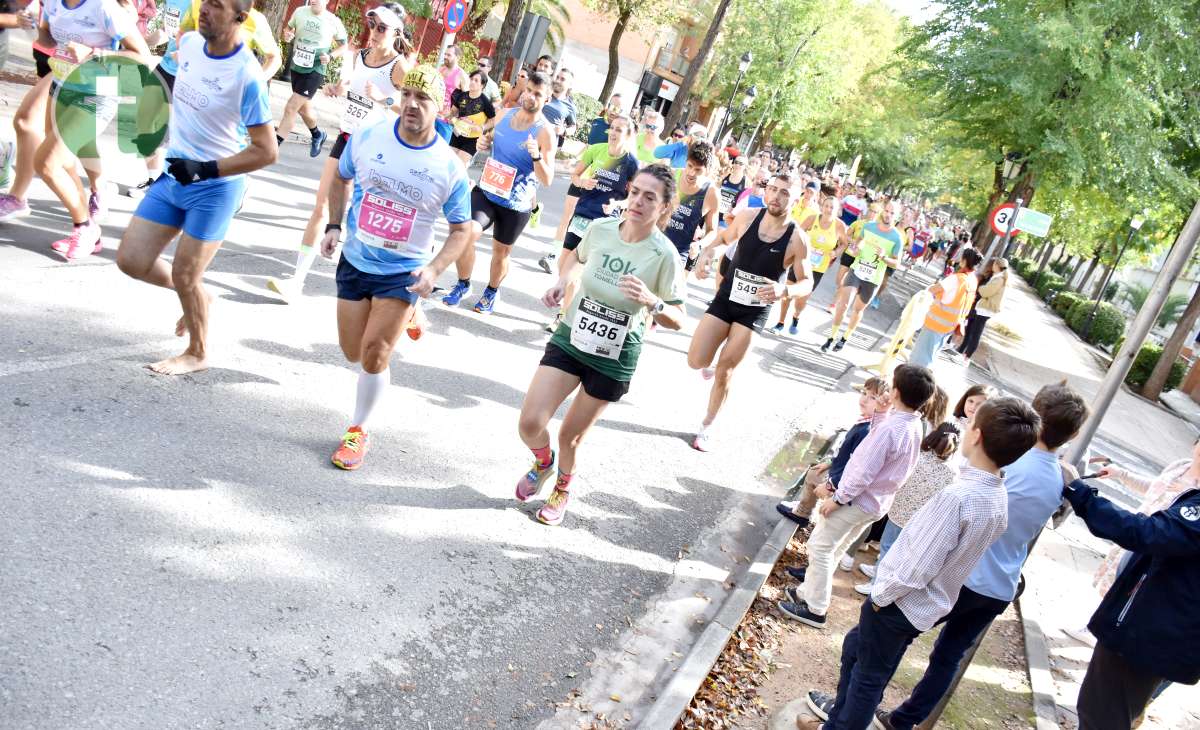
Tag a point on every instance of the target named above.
point(943, 318)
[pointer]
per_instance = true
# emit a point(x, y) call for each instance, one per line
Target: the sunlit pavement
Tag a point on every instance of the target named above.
point(179, 552)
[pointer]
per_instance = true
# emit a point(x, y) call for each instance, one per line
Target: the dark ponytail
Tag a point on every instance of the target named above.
point(943, 441)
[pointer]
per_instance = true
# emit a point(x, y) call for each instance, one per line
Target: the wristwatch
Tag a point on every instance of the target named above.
point(659, 308)
point(389, 101)
point(333, 227)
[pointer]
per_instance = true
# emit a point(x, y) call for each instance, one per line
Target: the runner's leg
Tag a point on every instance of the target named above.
point(547, 391)
point(839, 311)
point(192, 258)
point(140, 251)
point(581, 416)
point(500, 254)
point(732, 354)
point(30, 127)
point(709, 335)
point(290, 110)
point(352, 319)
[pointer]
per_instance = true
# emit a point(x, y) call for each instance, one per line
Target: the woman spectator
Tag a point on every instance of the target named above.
point(988, 299)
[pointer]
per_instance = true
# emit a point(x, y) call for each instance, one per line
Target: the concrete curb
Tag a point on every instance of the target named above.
point(1037, 658)
point(678, 694)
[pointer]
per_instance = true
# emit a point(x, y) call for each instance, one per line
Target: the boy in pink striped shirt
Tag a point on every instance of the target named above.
point(878, 467)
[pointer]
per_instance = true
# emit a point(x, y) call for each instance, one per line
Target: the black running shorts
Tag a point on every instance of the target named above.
point(595, 383)
point(509, 223)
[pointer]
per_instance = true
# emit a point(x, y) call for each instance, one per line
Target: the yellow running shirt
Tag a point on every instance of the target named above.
point(256, 30)
point(824, 241)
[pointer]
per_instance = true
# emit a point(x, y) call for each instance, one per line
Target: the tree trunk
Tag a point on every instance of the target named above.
point(697, 62)
point(1099, 288)
point(1062, 257)
point(1042, 266)
point(275, 11)
point(614, 57)
point(1075, 271)
point(508, 36)
point(982, 232)
point(1091, 269)
point(1158, 377)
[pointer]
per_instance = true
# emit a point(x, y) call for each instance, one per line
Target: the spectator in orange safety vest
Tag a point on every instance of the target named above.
point(952, 299)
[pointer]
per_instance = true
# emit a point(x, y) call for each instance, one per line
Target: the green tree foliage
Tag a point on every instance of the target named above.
point(1143, 365)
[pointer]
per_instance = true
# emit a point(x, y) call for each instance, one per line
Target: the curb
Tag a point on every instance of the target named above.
point(1037, 658)
point(678, 694)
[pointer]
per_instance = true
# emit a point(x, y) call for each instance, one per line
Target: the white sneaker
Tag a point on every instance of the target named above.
point(846, 564)
point(1082, 634)
point(701, 442)
point(864, 588)
point(867, 569)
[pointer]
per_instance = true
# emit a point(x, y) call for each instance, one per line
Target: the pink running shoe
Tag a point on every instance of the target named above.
point(708, 373)
point(12, 208)
point(555, 509)
point(533, 480)
point(83, 242)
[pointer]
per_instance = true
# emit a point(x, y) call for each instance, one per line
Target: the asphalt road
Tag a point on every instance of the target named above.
point(179, 552)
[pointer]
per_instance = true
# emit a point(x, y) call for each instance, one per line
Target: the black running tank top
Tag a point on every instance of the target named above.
point(755, 263)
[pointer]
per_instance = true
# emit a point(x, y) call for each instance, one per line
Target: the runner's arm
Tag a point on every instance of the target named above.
point(262, 151)
point(712, 204)
point(543, 168)
point(801, 265)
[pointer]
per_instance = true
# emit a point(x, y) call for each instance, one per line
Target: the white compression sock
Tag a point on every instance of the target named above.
point(304, 262)
point(370, 390)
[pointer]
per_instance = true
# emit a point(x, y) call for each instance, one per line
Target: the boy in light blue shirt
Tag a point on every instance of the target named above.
point(1034, 487)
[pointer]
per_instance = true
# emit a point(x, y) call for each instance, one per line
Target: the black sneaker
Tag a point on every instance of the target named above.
point(840, 344)
point(137, 192)
point(799, 611)
point(821, 703)
point(825, 347)
point(786, 511)
point(798, 574)
point(882, 720)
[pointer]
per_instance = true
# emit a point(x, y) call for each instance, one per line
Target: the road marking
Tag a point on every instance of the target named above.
point(86, 357)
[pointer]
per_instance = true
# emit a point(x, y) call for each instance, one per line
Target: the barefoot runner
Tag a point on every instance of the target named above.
point(388, 260)
point(220, 97)
point(630, 274)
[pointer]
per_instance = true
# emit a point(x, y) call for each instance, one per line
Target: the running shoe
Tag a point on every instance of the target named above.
point(708, 373)
point(460, 290)
point(820, 703)
point(552, 325)
point(535, 216)
point(795, 328)
point(801, 612)
point(825, 347)
point(555, 508)
point(874, 303)
point(882, 720)
point(545, 262)
point(486, 301)
point(840, 344)
point(285, 288)
point(846, 564)
point(867, 569)
point(349, 455)
point(533, 480)
point(864, 588)
point(778, 329)
point(84, 241)
point(701, 441)
point(318, 139)
point(12, 208)
point(98, 205)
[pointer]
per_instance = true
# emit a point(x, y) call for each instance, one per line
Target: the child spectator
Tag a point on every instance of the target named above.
point(921, 577)
point(970, 401)
point(1033, 485)
point(875, 470)
point(872, 394)
point(930, 476)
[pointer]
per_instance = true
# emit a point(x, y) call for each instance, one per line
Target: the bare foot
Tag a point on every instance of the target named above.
point(179, 365)
point(181, 325)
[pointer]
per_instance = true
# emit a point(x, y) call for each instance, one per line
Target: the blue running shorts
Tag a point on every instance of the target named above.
point(203, 209)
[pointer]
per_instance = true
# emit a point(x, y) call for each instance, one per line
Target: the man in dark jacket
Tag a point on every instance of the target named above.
point(1147, 625)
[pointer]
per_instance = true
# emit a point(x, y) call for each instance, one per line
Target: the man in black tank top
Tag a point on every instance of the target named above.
point(768, 245)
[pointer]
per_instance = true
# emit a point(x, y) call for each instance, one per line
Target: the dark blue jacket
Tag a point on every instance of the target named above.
point(854, 437)
point(1151, 615)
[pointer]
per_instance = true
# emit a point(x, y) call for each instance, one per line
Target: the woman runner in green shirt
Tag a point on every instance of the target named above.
point(629, 275)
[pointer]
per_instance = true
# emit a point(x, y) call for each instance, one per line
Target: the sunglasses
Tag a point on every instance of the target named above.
point(374, 25)
point(652, 125)
point(678, 136)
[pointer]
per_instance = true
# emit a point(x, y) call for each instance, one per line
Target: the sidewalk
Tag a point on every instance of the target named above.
point(1027, 346)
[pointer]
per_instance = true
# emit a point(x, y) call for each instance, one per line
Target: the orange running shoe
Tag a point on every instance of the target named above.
point(349, 455)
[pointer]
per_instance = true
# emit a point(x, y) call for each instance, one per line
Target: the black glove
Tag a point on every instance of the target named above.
point(189, 171)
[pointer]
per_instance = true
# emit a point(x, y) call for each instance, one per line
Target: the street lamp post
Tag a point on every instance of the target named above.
point(746, 102)
point(1011, 171)
point(1134, 225)
point(743, 66)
